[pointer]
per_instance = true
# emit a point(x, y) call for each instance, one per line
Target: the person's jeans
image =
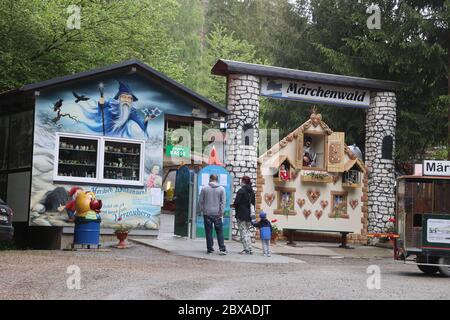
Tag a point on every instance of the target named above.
point(246, 234)
point(266, 246)
point(218, 226)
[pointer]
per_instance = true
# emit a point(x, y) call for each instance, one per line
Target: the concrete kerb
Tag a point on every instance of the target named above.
point(196, 249)
point(281, 253)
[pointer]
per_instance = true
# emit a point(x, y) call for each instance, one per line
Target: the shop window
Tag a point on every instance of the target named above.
point(20, 140)
point(442, 196)
point(286, 201)
point(339, 204)
point(78, 158)
point(387, 147)
point(122, 161)
point(88, 159)
point(313, 152)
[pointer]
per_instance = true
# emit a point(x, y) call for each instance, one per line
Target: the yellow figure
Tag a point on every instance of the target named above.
point(87, 206)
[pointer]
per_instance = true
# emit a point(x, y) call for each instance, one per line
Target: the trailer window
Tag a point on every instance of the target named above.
point(418, 200)
point(442, 197)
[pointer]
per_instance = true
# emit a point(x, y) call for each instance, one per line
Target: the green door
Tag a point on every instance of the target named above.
point(181, 227)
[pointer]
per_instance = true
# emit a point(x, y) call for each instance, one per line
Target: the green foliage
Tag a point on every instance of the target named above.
point(221, 44)
point(411, 47)
point(37, 45)
point(184, 38)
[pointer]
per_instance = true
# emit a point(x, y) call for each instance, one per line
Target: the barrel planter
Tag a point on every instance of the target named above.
point(87, 232)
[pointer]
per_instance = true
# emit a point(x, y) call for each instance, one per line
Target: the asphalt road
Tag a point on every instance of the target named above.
point(146, 273)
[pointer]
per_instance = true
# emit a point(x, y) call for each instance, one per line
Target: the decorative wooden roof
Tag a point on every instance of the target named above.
point(314, 121)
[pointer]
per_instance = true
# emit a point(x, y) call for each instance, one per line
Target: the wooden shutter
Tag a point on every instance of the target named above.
point(299, 155)
point(336, 144)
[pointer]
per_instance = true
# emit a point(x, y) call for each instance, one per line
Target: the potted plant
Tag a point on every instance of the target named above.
point(121, 232)
point(275, 232)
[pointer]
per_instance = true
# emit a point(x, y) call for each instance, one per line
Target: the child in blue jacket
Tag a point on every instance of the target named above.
point(265, 232)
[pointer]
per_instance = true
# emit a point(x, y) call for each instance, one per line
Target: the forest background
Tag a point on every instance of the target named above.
point(184, 38)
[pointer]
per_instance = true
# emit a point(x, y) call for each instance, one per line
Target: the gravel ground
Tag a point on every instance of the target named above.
point(146, 273)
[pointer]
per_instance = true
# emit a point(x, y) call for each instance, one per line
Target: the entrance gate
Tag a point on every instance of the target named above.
point(246, 82)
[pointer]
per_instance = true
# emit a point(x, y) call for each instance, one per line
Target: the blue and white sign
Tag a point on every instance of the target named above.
point(314, 92)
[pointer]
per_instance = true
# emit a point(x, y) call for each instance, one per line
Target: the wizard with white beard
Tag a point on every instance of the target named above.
point(120, 117)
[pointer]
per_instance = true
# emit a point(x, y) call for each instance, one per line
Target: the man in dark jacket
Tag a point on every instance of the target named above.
point(245, 197)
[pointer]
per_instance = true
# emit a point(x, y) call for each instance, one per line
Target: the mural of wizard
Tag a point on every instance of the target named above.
point(118, 115)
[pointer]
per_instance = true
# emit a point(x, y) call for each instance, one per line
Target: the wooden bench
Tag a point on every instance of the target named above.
point(343, 236)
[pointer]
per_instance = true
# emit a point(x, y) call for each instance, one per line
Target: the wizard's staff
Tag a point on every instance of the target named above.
point(101, 88)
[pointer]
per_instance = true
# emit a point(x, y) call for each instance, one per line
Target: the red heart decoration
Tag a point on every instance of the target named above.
point(318, 214)
point(313, 195)
point(354, 203)
point(324, 204)
point(300, 202)
point(306, 213)
point(269, 198)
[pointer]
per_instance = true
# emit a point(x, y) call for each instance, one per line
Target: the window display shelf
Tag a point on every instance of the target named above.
point(123, 154)
point(78, 164)
point(65, 149)
point(109, 161)
point(130, 168)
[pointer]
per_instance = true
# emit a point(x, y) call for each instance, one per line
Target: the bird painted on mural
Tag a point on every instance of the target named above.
point(58, 104)
point(79, 97)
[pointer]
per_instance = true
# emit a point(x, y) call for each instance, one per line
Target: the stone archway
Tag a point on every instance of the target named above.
point(243, 92)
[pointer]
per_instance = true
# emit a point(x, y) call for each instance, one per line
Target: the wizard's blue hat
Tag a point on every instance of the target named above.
point(124, 88)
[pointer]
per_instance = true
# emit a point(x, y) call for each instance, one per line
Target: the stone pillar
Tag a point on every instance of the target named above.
point(243, 104)
point(380, 146)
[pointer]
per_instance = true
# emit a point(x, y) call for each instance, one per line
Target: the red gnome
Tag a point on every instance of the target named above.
point(70, 205)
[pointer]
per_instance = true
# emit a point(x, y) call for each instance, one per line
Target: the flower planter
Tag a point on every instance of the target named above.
point(327, 179)
point(273, 239)
point(122, 236)
point(351, 185)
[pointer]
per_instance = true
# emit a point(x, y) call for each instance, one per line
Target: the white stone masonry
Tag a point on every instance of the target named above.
point(380, 122)
point(243, 103)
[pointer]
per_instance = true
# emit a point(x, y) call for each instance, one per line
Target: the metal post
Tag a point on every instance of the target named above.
point(193, 205)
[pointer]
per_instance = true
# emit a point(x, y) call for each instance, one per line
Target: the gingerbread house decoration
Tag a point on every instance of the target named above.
point(311, 181)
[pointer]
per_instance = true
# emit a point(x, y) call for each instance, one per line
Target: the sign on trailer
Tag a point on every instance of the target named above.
point(436, 168)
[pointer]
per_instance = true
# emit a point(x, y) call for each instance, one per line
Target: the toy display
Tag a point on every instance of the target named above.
point(87, 219)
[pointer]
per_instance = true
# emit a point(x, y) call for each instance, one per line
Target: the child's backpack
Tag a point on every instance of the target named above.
point(265, 233)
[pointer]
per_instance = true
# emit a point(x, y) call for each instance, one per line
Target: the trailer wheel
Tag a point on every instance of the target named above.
point(445, 271)
point(430, 270)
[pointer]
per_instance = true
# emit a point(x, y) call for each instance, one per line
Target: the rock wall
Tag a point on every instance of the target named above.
point(380, 123)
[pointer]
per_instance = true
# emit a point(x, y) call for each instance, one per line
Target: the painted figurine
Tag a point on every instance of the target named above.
point(70, 205)
point(87, 206)
point(309, 156)
point(284, 174)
